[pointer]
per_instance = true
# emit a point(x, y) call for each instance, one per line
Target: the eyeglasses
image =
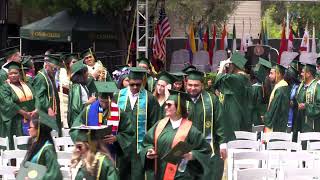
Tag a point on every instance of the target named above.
point(135, 84)
point(169, 105)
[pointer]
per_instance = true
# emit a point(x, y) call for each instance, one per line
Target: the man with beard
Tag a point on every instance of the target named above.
point(276, 117)
point(204, 112)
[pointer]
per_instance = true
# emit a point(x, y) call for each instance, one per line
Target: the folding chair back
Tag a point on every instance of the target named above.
point(245, 135)
point(20, 141)
point(255, 174)
point(63, 143)
point(276, 136)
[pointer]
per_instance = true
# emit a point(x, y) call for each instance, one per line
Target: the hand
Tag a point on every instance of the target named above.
point(188, 156)
point(301, 106)
point(25, 114)
point(151, 154)
point(33, 114)
point(110, 139)
point(223, 154)
point(91, 100)
point(51, 113)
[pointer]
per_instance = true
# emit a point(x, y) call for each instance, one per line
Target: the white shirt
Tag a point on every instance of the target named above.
point(195, 99)
point(97, 66)
point(176, 124)
point(84, 94)
point(133, 98)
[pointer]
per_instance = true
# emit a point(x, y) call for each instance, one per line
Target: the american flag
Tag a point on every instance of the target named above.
point(161, 31)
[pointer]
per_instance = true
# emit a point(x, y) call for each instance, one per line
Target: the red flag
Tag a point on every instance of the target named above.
point(283, 42)
point(206, 39)
point(213, 43)
point(223, 41)
point(290, 40)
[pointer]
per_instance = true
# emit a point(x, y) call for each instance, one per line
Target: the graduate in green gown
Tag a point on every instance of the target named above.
point(46, 89)
point(106, 112)
point(308, 99)
point(151, 81)
point(142, 109)
point(91, 160)
point(161, 92)
point(79, 95)
point(11, 54)
point(204, 111)
point(19, 103)
point(276, 117)
point(258, 102)
point(41, 150)
point(234, 88)
point(178, 83)
point(165, 134)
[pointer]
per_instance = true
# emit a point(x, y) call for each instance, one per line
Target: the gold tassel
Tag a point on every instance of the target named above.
point(179, 104)
point(23, 74)
point(109, 107)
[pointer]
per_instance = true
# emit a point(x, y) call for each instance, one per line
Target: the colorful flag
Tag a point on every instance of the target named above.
point(265, 37)
point(213, 43)
point(314, 46)
point(206, 38)
point(200, 35)
point(224, 39)
point(189, 49)
point(290, 40)
point(162, 30)
point(234, 38)
point(283, 42)
point(304, 46)
point(192, 41)
point(263, 34)
point(243, 39)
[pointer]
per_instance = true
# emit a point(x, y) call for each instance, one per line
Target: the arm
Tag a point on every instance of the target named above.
point(153, 111)
point(313, 110)
point(108, 170)
point(125, 132)
point(53, 167)
point(41, 93)
point(147, 145)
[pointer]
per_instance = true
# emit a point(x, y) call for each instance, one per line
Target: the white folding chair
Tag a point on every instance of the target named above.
point(276, 136)
point(308, 136)
point(258, 128)
point(255, 174)
point(245, 135)
point(8, 172)
point(241, 160)
point(65, 132)
point(243, 144)
point(296, 159)
point(8, 155)
point(283, 145)
point(20, 140)
point(66, 175)
point(4, 142)
point(64, 158)
point(65, 143)
point(300, 173)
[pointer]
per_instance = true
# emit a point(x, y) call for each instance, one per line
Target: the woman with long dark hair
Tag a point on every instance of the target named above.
point(79, 95)
point(169, 132)
point(41, 148)
point(91, 159)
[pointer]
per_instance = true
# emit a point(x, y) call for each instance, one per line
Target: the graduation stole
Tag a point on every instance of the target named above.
point(100, 157)
point(281, 83)
point(181, 135)
point(24, 93)
point(50, 95)
point(142, 109)
point(36, 157)
point(207, 105)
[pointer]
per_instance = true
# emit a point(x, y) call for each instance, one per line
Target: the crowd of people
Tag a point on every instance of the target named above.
point(169, 125)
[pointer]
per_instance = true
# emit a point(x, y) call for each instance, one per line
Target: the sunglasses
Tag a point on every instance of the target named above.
point(135, 84)
point(169, 104)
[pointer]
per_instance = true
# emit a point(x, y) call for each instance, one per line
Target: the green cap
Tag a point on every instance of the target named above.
point(46, 120)
point(262, 69)
point(137, 73)
point(143, 60)
point(27, 61)
point(295, 65)
point(13, 65)
point(279, 68)
point(54, 59)
point(10, 52)
point(105, 88)
point(188, 67)
point(67, 58)
point(86, 53)
point(292, 72)
point(87, 133)
point(76, 67)
point(311, 68)
point(239, 60)
point(179, 76)
point(166, 76)
point(265, 63)
point(195, 75)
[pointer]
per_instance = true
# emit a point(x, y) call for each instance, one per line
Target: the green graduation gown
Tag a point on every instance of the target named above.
point(308, 119)
point(257, 104)
point(45, 90)
point(3, 76)
point(134, 168)
point(75, 104)
point(12, 120)
point(151, 82)
point(47, 157)
point(234, 94)
point(106, 170)
point(124, 137)
point(213, 128)
point(195, 168)
point(276, 117)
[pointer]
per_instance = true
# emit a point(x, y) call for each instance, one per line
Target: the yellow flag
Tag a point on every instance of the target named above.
point(192, 40)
